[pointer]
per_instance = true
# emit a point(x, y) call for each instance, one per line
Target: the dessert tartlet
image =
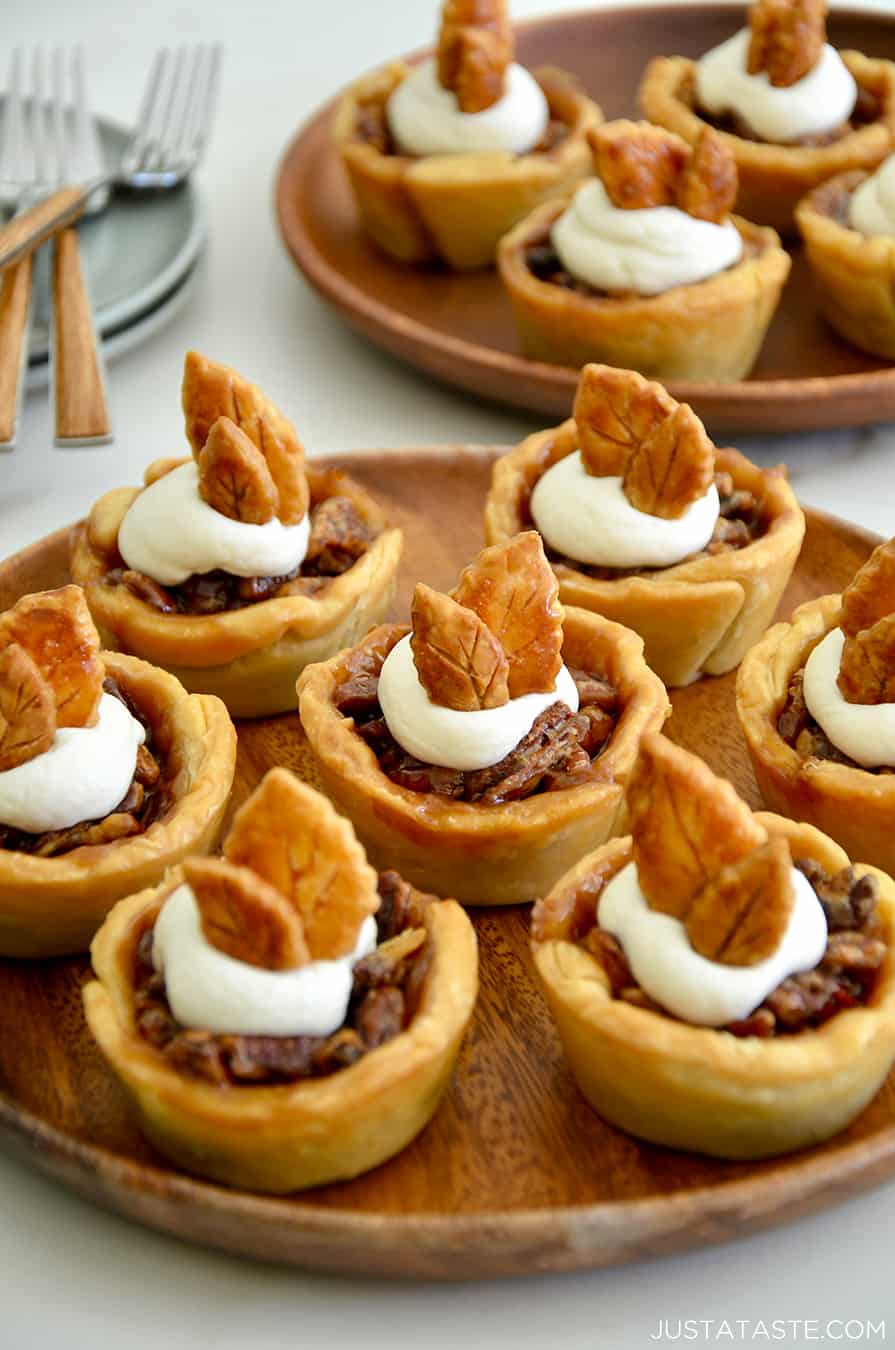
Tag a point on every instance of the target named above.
point(643, 266)
point(485, 748)
point(848, 226)
point(792, 110)
point(646, 522)
point(236, 568)
point(283, 1017)
point(722, 982)
point(110, 773)
point(444, 157)
point(816, 701)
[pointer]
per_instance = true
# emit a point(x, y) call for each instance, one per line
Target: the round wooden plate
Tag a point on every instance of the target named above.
point(459, 328)
point(516, 1173)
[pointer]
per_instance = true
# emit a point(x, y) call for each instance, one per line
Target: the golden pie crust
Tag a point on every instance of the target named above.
point(854, 275)
point(697, 618)
point(53, 906)
point(711, 330)
point(286, 1137)
point(248, 657)
point(456, 207)
point(698, 1088)
point(486, 855)
point(853, 806)
point(773, 178)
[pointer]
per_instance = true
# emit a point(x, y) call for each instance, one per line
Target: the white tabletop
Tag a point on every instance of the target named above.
point(72, 1275)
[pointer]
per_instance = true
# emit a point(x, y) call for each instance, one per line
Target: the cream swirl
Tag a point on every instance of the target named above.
point(649, 250)
point(83, 776)
point(590, 520)
point(170, 533)
point(863, 731)
point(207, 988)
point(690, 986)
point(872, 207)
point(821, 100)
point(424, 118)
point(449, 737)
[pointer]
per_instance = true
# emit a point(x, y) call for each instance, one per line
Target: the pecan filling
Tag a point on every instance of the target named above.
point(339, 537)
point(544, 263)
point(558, 752)
point(799, 729)
point(147, 798)
point(372, 127)
point(845, 978)
point(867, 110)
point(384, 1000)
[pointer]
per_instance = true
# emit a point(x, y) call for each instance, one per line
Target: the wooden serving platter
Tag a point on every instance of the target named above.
point(516, 1173)
point(459, 328)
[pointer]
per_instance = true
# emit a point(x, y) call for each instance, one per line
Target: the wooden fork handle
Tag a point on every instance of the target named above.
point(15, 297)
point(26, 231)
point(81, 411)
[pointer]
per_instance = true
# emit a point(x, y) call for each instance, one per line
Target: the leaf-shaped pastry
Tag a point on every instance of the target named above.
point(870, 596)
point(741, 914)
point(867, 667)
point(233, 476)
point(672, 468)
point(513, 590)
point(787, 38)
point(160, 468)
point(293, 838)
point(27, 709)
point(459, 661)
point(57, 632)
point(638, 164)
point(211, 391)
point(475, 47)
point(245, 917)
point(615, 410)
point(707, 187)
point(686, 825)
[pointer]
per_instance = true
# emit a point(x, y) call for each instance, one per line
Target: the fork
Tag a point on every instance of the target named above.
point(170, 137)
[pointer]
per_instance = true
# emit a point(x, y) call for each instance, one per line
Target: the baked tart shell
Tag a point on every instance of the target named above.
point(711, 330)
point(697, 1088)
point(53, 906)
point(248, 657)
point(456, 207)
point(290, 1136)
point(697, 618)
point(773, 178)
point(487, 855)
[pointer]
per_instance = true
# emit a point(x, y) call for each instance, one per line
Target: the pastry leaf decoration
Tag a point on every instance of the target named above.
point(740, 915)
point(233, 475)
point(871, 593)
point(475, 47)
point(867, 667)
point(27, 709)
point(639, 164)
point(244, 917)
point(786, 39)
point(57, 632)
point(707, 187)
point(672, 467)
point(459, 661)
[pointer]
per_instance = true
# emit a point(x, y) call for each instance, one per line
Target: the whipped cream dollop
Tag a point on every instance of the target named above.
point(821, 100)
point(590, 520)
point(872, 207)
point(690, 986)
point(863, 731)
point(449, 737)
point(208, 989)
point(169, 532)
point(649, 250)
point(83, 776)
point(424, 118)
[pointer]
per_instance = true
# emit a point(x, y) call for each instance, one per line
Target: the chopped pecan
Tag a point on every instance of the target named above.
point(803, 999)
point(338, 1051)
point(615, 410)
point(611, 956)
point(459, 661)
point(387, 963)
point(257, 1059)
point(244, 917)
point(595, 691)
point(867, 667)
point(853, 952)
point(639, 164)
point(91, 833)
point(740, 915)
point(513, 590)
point(197, 1053)
point(397, 907)
point(787, 38)
point(870, 596)
point(380, 1016)
point(475, 47)
point(57, 632)
point(147, 772)
point(358, 697)
point(707, 187)
point(672, 467)
point(27, 709)
point(760, 1023)
point(339, 536)
point(233, 476)
point(144, 588)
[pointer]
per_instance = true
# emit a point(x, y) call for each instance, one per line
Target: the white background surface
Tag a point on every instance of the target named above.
point(72, 1276)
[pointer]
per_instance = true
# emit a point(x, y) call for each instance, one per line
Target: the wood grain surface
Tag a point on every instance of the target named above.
point(516, 1173)
point(459, 327)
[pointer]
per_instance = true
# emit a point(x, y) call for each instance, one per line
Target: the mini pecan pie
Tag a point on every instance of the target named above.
point(784, 51)
point(816, 701)
point(643, 266)
point(109, 774)
point(454, 207)
point(246, 496)
point(646, 948)
point(698, 615)
point(484, 749)
point(282, 1017)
